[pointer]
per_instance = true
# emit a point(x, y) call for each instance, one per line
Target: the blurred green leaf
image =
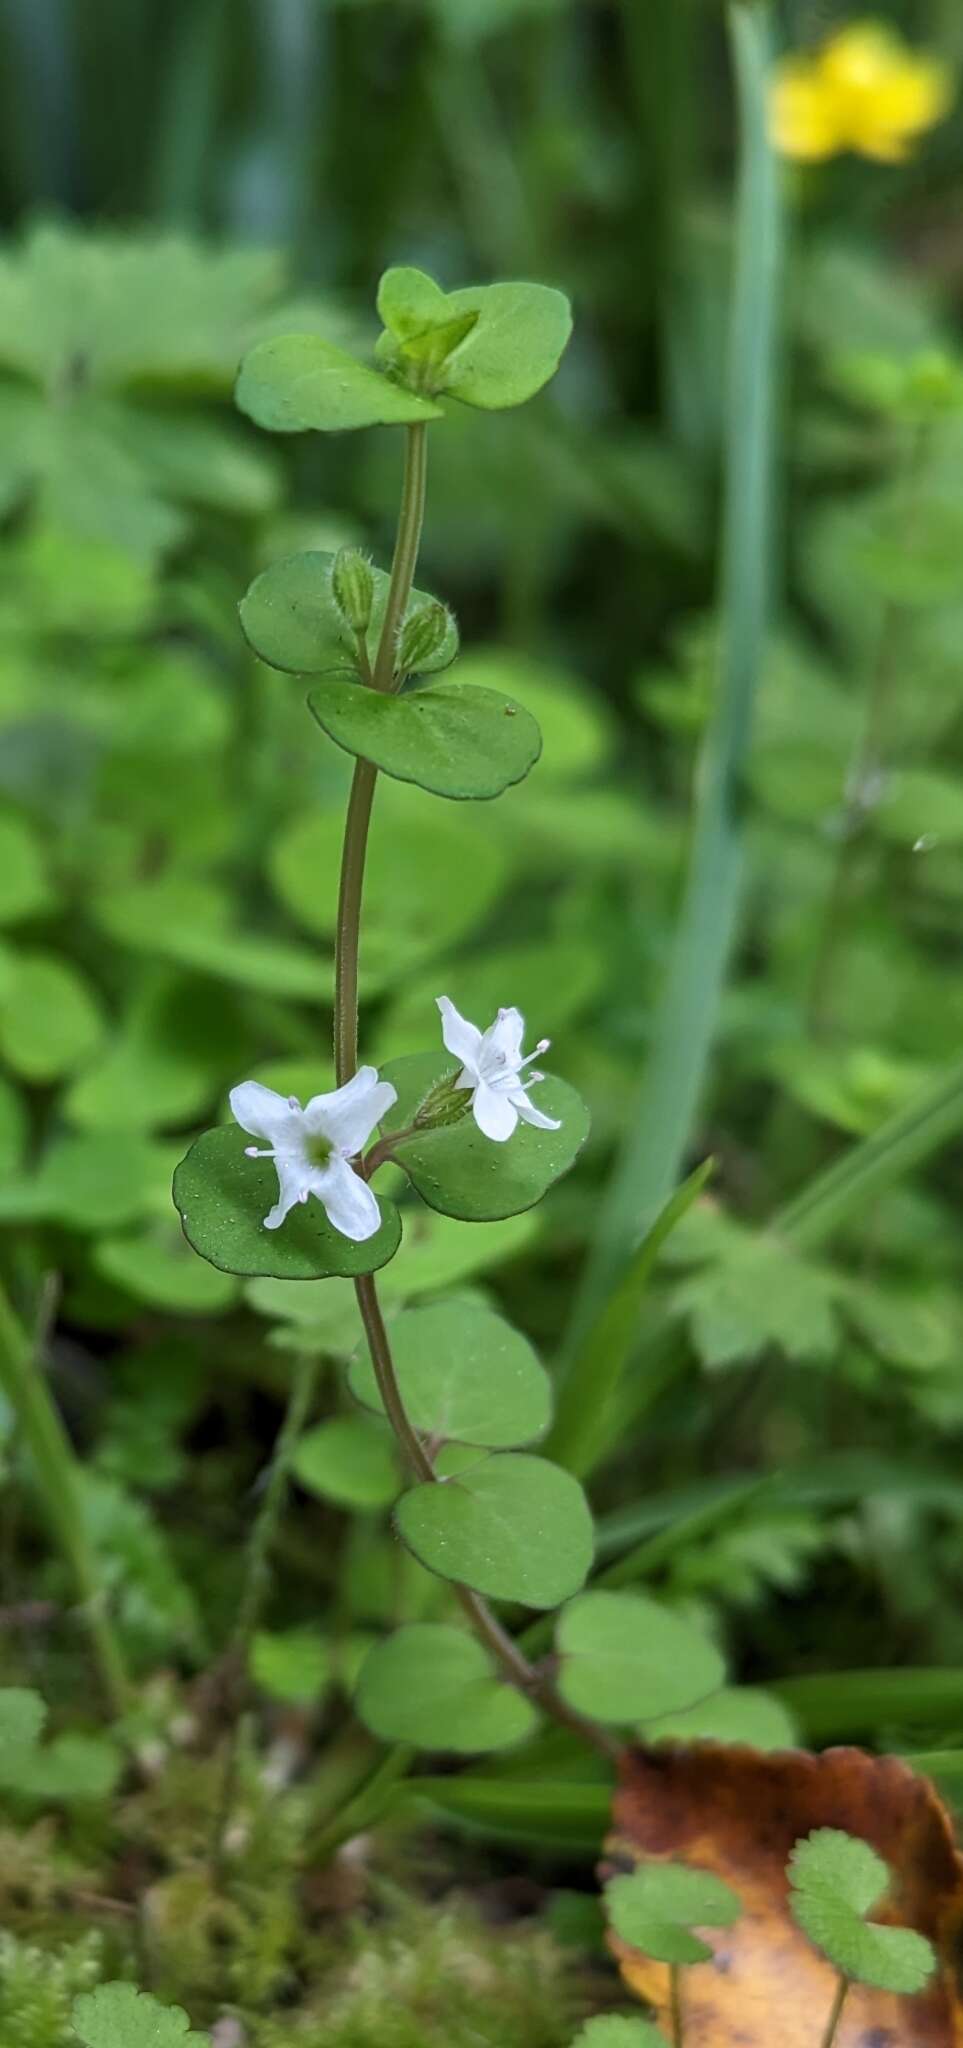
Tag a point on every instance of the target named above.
point(435, 1687)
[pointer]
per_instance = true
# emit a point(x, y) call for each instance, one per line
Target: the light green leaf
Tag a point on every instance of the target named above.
point(737, 1713)
point(158, 1267)
point(91, 1182)
point(452, 739)
point(22, 1718)
point(50, 1022)
point(512, 1526)
point(290, 618)
point(349, 1460)
point(293, 1665)
point(436, 1688)
point(624, 1658)
point(834, 1880)
point(119, 2016)
point(461, 1172)
point(611, 2030)
point(464, 1374)
point(489, 345)
point(763, 1294)
point(23, 885)
point(71, 1770)
point(433, 873)
point(298, 381)
point(163, 1067)
point(656, 1906)
point(222, 1198)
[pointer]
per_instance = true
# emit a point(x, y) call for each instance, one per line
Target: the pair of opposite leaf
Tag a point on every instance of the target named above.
point(491, 346)
point(312, 1147)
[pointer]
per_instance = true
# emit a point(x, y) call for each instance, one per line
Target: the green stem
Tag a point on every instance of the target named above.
point(842, 1992)
point(365, 775)
point(257, 1578)
point(661, 1127)
point(59, 1480)
point(496, 1639)
point(675, 2004)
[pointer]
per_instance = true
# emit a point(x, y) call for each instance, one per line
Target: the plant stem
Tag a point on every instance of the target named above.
point(499, 1643)
point(661, 1126)
point(675, 2004)
point(58, 1478)
point(256, 1578)
point(842, 1992)
point(365, 775)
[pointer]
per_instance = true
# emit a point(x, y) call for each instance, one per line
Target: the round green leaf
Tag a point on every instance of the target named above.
point(290, 618)
point(655, 1907)
point(222, 1198)
point(49, 1020)
point(625, 1658)
point(23, 887)
point(435, 1687)
point(736, 1713)
point(453, 739)
point(464, 1375)
point(296, 381)
point(489, 345)
point(460, 1171)
point(350, 1460)
point(513, 1526)
point(834, 1879)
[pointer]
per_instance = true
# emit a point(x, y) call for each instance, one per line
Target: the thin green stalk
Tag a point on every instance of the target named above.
point(257, 1579)
point(675, 2004)
point(842, 1993)
point(59, 1482)
point(496, 1639)
point(902, 1143)
point(661, 1128)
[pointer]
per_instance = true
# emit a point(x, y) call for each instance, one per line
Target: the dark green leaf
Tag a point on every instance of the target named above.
point(223, 1197)
point(511, 1526)
point(452, 739)
point(464, 1374)
point(461, 1172)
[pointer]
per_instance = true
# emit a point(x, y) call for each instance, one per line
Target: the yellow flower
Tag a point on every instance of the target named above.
point(865, 90)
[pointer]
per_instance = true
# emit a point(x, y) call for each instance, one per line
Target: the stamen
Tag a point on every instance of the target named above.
point(293, 1102)
point(252, 1152)
point(303, 1196)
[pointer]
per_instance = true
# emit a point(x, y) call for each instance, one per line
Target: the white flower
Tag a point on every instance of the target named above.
point(311, 1147)
point(492, 1066)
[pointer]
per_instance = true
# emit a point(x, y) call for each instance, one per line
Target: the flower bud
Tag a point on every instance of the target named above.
point(423, 635)
point(444, 1104)
point(352, 585)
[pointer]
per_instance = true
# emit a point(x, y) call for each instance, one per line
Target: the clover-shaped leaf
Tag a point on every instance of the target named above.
point(299, 381)
point(624, 1658)
point(292, 621)
point(222, 1198)
point(656, 1907)
point(452, 738)
point(119, 2016)
point(465, 1375)
point(835, 1880)
point(490, 345)
point(512, 1526)
point(435, 1687)
point(462, 1173)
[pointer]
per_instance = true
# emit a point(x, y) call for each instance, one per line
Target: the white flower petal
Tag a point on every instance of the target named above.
point(460, 1037)
point(494, 1113)
point(530, 1115)
point(265, 1114)
point(502, 1044)
point(352, 1207)
point(292, 1180)
point(348, 1115)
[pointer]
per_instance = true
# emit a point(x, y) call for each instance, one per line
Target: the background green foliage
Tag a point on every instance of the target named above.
point(780, 1461)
